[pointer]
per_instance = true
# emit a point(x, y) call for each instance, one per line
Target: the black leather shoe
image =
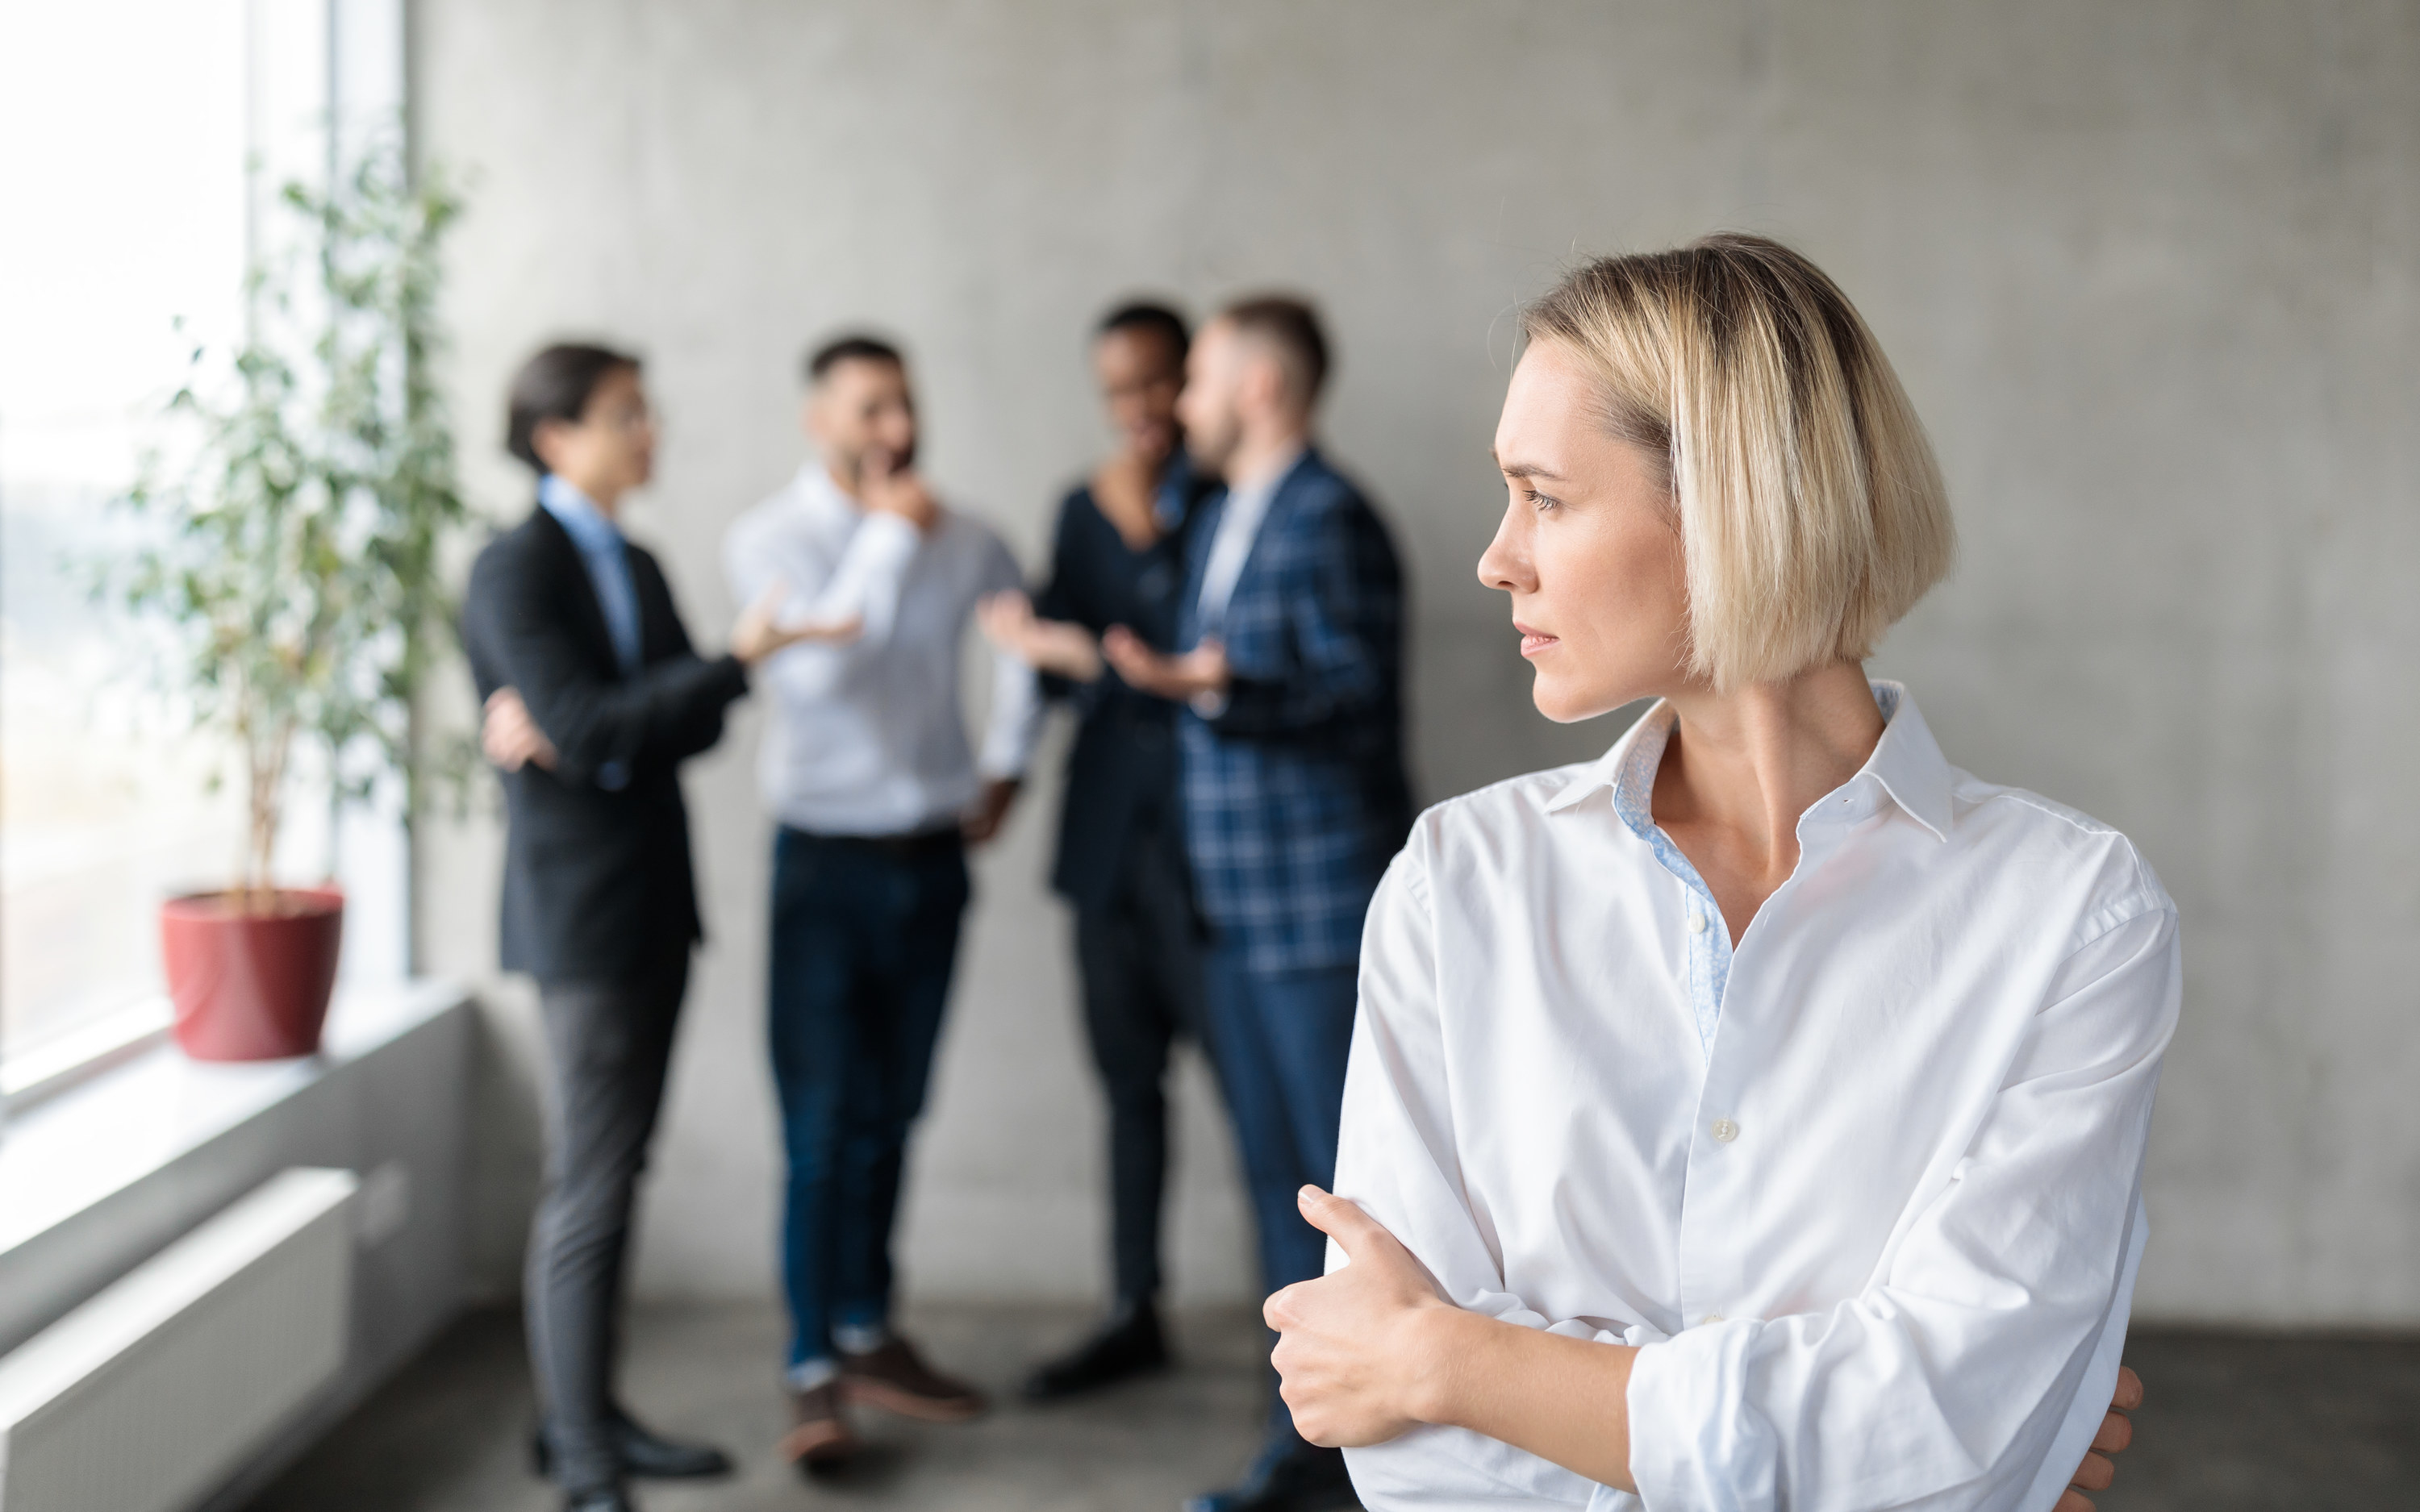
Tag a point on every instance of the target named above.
point(644, 1454)
point(600, 1499)
point(1131, 1344)
point(1308, 1479)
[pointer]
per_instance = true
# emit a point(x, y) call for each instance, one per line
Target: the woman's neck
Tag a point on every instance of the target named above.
point(1741, 767)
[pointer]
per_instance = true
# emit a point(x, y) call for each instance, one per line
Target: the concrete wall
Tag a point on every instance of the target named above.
point(2150, 272)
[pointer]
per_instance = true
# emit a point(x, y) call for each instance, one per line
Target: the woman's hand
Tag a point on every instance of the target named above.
point(1356, 1355)
point(2100, 1466)
point(1007, 621)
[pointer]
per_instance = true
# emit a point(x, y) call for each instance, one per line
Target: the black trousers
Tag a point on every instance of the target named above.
point(1142, 960)
point(608, 1045)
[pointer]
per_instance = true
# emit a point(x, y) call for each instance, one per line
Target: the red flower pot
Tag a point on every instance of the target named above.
point(251, 985)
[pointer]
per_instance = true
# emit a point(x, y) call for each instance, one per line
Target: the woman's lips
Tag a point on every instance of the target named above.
point(1533, 642)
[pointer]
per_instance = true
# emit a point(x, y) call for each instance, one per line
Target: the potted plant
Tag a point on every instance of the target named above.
point(293, 554)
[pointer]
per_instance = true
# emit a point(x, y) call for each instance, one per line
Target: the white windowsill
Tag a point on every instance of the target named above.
point(36, 1075)
point(87, 1140)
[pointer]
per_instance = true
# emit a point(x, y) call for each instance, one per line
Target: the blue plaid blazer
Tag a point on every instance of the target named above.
point(1294, 793)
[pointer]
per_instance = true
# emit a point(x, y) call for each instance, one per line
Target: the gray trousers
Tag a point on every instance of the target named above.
point(608, 1044)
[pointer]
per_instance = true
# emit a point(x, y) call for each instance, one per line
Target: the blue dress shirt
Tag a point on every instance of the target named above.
point(607, 556)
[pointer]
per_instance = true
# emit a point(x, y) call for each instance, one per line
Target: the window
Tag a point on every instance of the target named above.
point(125, 132)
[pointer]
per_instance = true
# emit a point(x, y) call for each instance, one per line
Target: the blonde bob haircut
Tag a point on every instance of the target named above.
point(1811, 511)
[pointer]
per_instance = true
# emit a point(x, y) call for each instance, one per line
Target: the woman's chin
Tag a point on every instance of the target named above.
point(1556, 704)
point(1565, 704)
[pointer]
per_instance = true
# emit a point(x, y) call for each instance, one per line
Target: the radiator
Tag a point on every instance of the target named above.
point(151, 1395)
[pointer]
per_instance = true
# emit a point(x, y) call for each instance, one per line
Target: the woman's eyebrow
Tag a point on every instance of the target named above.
point(1523, 469)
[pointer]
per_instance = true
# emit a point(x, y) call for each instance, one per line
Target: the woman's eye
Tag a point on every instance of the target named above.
point(1538, 501)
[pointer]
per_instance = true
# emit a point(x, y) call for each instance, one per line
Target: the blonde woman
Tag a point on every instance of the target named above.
point(1753, 1117)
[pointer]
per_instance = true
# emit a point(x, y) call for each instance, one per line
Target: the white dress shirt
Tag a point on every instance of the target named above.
point(1866, 1190)
point(867, 738)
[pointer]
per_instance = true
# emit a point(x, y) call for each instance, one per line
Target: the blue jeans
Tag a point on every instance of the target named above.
point(864, 936)
point(1281, 1041)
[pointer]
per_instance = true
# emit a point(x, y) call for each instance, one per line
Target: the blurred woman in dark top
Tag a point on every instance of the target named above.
point(1119, 559)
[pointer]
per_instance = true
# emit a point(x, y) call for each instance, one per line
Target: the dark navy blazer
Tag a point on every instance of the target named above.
point(1294, 793)
point(598, 881)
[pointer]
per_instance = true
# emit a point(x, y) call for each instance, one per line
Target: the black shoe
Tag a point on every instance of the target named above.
point(644, 1453)
point(1304, 1479)
point(1128, 1345)
point(600, 1499)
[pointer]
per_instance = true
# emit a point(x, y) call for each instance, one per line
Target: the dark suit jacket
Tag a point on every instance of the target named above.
point(598, 882)
point(1294, 793)
point(1122, 772)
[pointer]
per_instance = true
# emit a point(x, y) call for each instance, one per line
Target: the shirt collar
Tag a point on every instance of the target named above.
point(1265, 487)
point(1907, 761)
point(1173, 499)
point(588, 526)
point(1906, 764)
point(822, 493)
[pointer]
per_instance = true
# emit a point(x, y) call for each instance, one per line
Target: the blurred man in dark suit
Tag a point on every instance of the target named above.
point(594, 698)
point(1118, 559)
point(1294, 793)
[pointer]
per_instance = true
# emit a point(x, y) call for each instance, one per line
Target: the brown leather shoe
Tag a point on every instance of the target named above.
point(820, 1435)
point(896, 1379)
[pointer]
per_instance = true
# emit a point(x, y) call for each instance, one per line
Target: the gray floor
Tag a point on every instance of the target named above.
point(2232, 1422)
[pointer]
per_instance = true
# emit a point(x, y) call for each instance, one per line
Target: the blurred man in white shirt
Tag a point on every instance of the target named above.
point(876, 792)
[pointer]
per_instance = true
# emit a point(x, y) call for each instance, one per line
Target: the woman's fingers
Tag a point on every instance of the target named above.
point(2130, 1390)
point(2096, 1473)
point(2115, 1434)
point(2072, 1500)
point(1279, 1311)
point(1340, 1220)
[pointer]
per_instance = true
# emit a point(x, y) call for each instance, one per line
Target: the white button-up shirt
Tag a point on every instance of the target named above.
point(1867, 1190)
point(868, 737)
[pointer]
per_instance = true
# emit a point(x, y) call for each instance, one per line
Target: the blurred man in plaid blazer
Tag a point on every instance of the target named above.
point(1291, 669)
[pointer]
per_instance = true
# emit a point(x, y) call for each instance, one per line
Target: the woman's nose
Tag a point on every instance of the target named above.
point(1505, 564)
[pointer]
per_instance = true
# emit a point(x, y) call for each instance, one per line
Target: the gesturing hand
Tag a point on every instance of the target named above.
point(1199, 671)
point(2099, 1468)
point(760, 632)
point(1007, 621)
point(1353, 1364)
point(510, 737)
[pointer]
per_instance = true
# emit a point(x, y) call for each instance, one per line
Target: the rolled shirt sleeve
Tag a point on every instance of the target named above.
point(1946, 1384)
point(1015, 723)
point(1396, 1157)
point(863, 582)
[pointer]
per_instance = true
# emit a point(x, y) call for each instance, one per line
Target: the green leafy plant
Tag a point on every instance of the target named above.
point(292, 549)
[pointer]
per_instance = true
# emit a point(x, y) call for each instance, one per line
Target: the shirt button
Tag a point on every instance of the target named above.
point(1710, 1318)
point(1725, 1131)
point(1697, 923)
